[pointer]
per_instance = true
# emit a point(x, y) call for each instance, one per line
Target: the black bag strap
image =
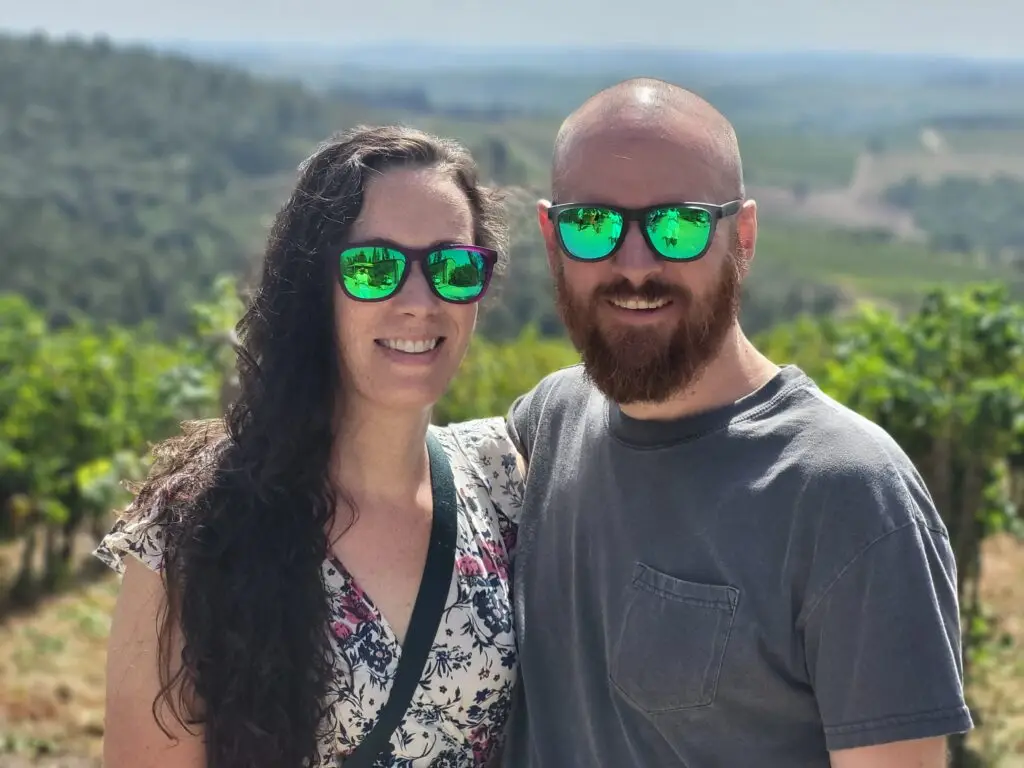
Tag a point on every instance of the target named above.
point(426, 613)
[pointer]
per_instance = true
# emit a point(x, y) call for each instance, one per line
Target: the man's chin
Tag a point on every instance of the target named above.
point(652, 338)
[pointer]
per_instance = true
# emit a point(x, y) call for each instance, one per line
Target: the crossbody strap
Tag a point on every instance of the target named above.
point(426, 613)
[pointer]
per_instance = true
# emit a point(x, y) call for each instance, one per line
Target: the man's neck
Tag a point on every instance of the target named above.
point(738, 370)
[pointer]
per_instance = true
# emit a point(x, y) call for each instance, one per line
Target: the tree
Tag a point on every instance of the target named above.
point(947, 383)
point(493, 375)
point(77, 407)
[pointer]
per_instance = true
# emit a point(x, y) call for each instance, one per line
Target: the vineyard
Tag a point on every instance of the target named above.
point(80, 406)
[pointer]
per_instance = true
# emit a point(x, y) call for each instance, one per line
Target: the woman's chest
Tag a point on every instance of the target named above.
point(477, 612)
point(380, 562)
point(464, 690)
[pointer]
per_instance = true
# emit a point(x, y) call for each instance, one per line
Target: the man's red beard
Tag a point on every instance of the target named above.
point(643, 365)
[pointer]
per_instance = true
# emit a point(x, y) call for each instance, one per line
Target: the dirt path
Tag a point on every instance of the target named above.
point(859, 204)
point(841, 208)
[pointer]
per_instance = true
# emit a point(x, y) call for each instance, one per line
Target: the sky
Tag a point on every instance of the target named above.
point(972, 28)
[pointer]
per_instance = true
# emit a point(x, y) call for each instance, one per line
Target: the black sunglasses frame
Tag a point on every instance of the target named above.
point(420, 256)
point(640, 215)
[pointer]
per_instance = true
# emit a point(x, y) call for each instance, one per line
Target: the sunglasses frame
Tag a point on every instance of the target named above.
point(420, 256)
point(639, 215)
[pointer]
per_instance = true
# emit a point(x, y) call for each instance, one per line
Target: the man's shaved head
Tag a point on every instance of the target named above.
point(648, 108)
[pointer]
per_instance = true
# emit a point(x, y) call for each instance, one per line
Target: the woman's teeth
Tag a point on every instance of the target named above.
point(409, 346)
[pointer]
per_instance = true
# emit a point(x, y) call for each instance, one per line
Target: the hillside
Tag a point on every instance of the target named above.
point(128, 180)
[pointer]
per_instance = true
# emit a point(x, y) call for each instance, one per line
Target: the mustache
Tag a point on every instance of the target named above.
point(650, 290)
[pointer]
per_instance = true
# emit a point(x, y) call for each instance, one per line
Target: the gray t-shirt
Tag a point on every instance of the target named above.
point(755, 585)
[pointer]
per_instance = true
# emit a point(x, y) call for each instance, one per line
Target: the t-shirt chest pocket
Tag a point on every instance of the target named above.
point(671, 645)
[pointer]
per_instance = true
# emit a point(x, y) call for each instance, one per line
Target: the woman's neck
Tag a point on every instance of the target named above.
point(380, 456)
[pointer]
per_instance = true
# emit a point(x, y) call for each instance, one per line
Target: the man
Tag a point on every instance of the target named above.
point(717, 565)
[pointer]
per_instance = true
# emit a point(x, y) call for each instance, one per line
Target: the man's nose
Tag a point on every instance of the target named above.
point(634, 259)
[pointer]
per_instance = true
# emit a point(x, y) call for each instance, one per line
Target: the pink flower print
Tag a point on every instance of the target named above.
point(470, 566)
point(341, 630)
point(355, 591)
point(494, 560)
point(481, 745)
point(354, 607)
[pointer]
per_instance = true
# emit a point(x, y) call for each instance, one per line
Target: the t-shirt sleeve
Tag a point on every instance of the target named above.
point(882, 642)
point(517, 424)
point(138, 533)
point(491, 454)
point(525, 413)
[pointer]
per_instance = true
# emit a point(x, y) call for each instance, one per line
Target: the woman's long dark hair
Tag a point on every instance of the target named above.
point(245, 502)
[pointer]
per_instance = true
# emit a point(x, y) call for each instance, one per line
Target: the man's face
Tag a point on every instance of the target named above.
point(647, 328)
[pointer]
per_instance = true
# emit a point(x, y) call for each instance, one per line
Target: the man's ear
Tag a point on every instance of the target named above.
point(746, 233)
point(547, 231)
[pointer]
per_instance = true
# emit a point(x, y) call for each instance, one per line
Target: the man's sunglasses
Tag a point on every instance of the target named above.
point(377, 271)
point(674, 232)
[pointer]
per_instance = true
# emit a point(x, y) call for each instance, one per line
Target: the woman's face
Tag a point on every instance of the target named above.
point(402, 352)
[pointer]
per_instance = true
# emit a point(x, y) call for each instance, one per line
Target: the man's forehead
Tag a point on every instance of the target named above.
point(635, 164)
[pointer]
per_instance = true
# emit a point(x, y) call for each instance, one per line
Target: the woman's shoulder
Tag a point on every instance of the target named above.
point(485, 453)
point(483, 443)
point(140, 531)
point(489, 433)
point(182, 469)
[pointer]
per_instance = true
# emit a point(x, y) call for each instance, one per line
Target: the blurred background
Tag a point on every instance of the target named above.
point(144, 150)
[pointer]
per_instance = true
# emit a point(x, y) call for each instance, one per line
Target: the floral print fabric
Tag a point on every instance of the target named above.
point(457, 716)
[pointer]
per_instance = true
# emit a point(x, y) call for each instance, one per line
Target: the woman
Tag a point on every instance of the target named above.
point(276, 555)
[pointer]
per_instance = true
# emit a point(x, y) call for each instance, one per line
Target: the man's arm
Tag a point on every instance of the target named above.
point(919, 753)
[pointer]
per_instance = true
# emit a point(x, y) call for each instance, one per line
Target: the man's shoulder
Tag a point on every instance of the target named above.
point(562, 387)
point(838, 439)
point(851, 465)
point(557, 394)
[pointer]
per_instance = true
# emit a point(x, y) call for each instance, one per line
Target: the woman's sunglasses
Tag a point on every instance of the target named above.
point(377, 271)
point(675, 232)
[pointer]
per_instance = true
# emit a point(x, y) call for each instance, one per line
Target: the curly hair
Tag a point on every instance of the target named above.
point(244, 502)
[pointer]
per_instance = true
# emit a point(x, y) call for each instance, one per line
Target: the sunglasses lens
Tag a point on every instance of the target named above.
point(589, 233)
point(458, 274)
point(371, 273)
point(679, 234)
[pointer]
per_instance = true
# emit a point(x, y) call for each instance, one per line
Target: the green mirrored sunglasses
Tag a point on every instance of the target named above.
point(377, 271)
point(673, 231)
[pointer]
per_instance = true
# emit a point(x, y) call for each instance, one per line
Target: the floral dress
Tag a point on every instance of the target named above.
point(458, 713)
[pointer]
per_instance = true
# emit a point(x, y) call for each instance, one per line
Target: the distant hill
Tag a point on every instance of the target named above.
point(834, 92)
point(129, 179)
point(428, 58)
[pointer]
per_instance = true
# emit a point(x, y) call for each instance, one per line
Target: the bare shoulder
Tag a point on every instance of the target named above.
point(133, 736)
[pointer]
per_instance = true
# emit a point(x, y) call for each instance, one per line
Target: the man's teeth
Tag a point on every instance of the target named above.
point(639, 303)
point(409, 346)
